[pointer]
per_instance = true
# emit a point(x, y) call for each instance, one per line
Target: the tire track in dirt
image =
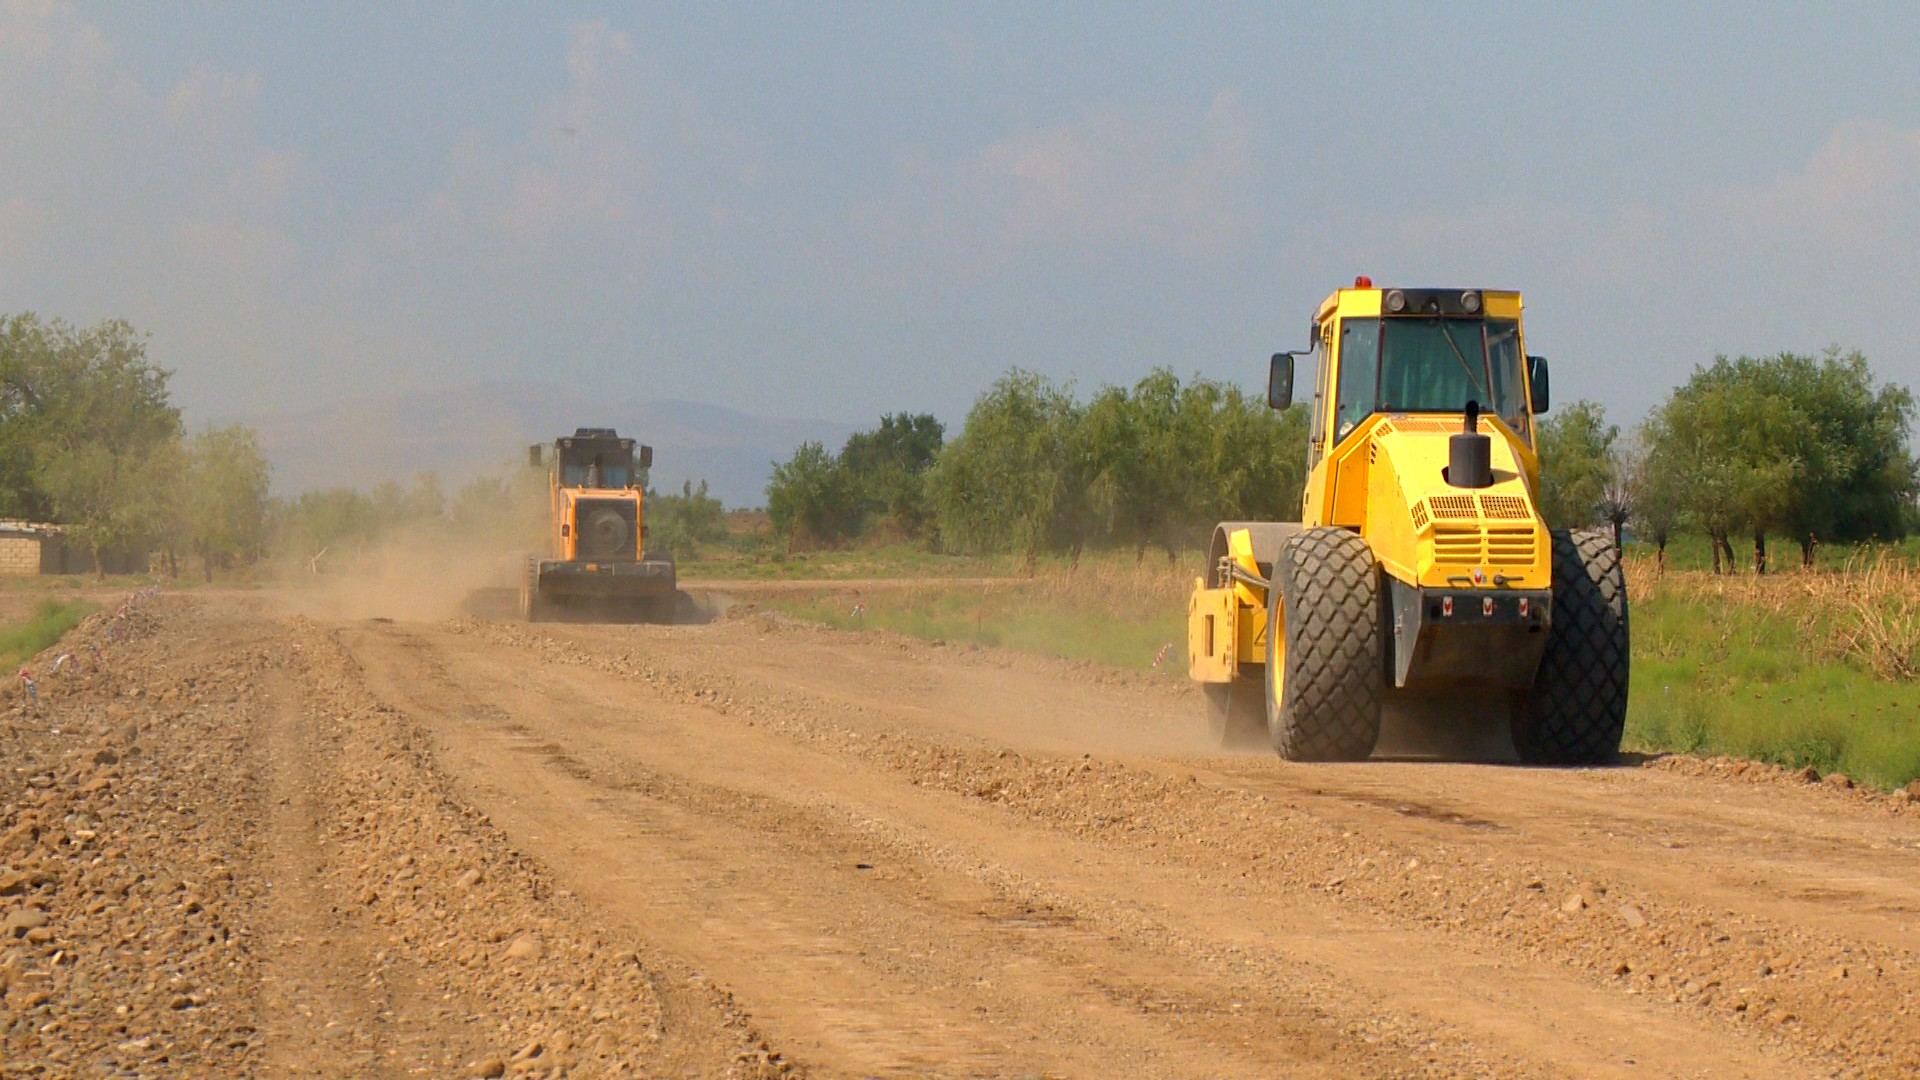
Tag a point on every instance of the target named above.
point(565, 849)
point(1374, 959)
point(881, 969)
point(331, 1004)
point(1757, 980)
point(511, 955)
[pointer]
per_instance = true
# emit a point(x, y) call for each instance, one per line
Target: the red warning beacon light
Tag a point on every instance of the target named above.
point(1363, 282)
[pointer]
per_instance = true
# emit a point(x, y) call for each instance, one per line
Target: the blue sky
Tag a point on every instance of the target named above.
point(836, 211)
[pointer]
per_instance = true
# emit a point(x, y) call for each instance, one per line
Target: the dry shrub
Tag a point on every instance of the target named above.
point(1877, 599)
point(1120, 582)
point(1866, 611)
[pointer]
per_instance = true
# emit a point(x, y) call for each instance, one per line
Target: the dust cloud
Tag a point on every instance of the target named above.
point(414, 576)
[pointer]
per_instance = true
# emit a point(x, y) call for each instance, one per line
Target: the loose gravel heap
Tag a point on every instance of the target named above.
point(218, 859)
point(126, 946)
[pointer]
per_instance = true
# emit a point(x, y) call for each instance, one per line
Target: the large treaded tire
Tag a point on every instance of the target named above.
point(532, 607)
point(1237, 713)
point(1327, 707)
point(1578, 708)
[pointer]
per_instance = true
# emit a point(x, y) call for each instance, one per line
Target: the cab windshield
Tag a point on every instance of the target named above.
point(1414, 365)
point(598, 471)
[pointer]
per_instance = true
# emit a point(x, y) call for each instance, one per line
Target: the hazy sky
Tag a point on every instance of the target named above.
point(839, 210)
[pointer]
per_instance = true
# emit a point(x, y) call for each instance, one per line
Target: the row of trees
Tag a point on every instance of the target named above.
point(324, 525)
point(1809, 448)
point(878, 481)
point(89, 438)
point(1803, 447)
point(505, 511)
point(1036, 469)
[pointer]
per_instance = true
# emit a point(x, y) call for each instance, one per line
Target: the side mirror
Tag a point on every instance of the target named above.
point(1280, 381)
point(1537, 383)
point(646, 457)
point(536, 457)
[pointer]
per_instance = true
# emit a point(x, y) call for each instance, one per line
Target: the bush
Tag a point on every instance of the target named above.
point(682, 524)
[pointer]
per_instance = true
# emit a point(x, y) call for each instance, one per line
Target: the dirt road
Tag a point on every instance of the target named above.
point(266, 845)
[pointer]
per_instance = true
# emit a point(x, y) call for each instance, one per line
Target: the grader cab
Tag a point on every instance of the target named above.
point(1421, 569)
point(598, 561)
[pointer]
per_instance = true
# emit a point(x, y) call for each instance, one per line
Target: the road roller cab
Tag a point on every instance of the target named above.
point(1421, 568)
point(597, 541)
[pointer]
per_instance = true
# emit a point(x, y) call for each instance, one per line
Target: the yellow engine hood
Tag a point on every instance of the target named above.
point(1428, 532)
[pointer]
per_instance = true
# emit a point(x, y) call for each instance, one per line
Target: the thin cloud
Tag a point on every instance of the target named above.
point(1152, 179)
point(1131, 176)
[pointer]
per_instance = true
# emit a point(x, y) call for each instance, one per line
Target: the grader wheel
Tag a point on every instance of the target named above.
point(1578, 708)
point(532, 607)
point(1325, 670)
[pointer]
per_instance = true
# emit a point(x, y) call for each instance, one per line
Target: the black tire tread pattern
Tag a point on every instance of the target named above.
point(1329, 584)
point(1577, 711)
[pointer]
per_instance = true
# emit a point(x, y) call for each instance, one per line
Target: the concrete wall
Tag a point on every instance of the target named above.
point(19, 556)
point(26, 554)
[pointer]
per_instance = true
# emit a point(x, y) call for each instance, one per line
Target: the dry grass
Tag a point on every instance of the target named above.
point(1119, 582)
point(1865, 612)
point(1816, 668)
point(1805, 667)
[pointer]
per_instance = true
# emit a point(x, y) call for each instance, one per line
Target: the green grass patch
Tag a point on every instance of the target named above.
point(49, 622)
point(1718, 667)
point(771, 563)
point(1740, 679)
point(1022, 616)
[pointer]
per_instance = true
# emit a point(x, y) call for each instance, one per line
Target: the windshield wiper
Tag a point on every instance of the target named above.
point(1464, 366)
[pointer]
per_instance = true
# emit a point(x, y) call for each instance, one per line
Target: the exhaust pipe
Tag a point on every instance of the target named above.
point(1470, 454)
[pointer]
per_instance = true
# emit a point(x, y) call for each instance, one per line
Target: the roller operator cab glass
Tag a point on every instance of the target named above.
point(1429, 365)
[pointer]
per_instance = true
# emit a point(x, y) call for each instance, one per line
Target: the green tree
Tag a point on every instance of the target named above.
point(1011, 480)
point(1166, 460)
point(505, 510)
point(1576, 464)
point(319, 523)
point(1262, 454)
point(887, 468)
point(1858, 476)
point(84, 417)
point(165, 502)
point(1785, 443)
point(1655, 501)
point(683, 523)
point(810, 498)
point(226, 493)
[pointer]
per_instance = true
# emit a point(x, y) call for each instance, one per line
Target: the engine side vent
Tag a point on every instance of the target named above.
point(1456, 546)
point(1453, 506)
point(1438, 424)
point(1420, 515)
point(1510, 545)
point(1510, 507)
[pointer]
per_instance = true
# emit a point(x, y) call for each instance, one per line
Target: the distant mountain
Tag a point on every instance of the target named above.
point(462, 431)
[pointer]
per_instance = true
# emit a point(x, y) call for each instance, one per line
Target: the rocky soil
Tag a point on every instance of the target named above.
point(218, 859)
point(235, 842)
